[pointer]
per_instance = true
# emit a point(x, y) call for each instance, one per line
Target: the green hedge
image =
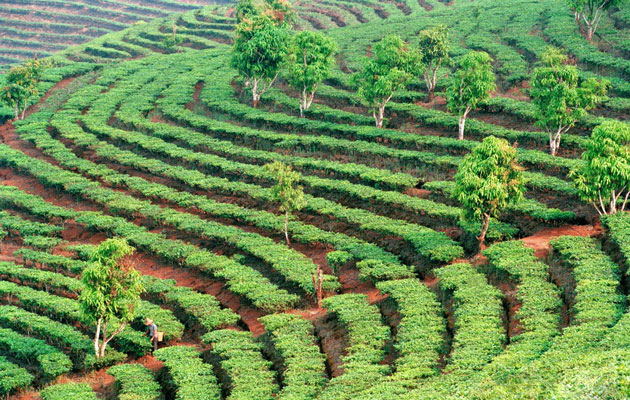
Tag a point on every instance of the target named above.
point(187, 377)
point(247, 373)
point(303, 369)
point(65, 391)
point(135, 382)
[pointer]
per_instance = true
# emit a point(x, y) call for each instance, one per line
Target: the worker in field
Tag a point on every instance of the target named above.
point(152, 332)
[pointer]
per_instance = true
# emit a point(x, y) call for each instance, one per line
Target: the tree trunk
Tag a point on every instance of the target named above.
point(589, 32)
point(97, 337)
point(23, 111)
point(484, 229)
point(554, 141)
point(380, 116)
point(462, 126)
point(255, 95)
point(16, 110)
point(318, 283)
point(286, 227)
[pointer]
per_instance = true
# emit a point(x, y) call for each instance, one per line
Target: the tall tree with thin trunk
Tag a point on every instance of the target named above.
point(434, 47)
point(561, 99)
point(392, 66)
point(472, 84)
point(259, 50)
point(111, 291)
point(487, 181)
point(311, 56)
point(588, 13)
point(21, 85)
point(603, 179)
point(286, 191)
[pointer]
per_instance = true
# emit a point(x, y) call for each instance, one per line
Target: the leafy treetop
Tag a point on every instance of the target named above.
point(311, 56)
point(604, 178)
point(392, 66)
point(488, 180)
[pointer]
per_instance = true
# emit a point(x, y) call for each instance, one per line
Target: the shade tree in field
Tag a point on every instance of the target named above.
point(434, 48)
point(279, 11)
point(473, 82)
point(392, 66)
point(286, 191)
point(21, 85)
point(559, 97)
point(259, 51)
point(603, 179)
point(311, 55)
point(111, 293)
point(487, 181)
point(589, 13)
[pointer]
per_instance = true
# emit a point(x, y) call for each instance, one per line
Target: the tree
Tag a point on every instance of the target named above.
point(434, 47)
point(488, 180)
point(259, 50)
point(279, 11)
point(21, 85)
point(472, 84)
point(559, 96)
point(111, 291)
point(246, 9)
point(310, 57)
point(604, 178)
point(286, 191)
point(392, 66)
point(588, 14)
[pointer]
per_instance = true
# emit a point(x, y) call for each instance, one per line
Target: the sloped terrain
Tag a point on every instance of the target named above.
point(161, 145)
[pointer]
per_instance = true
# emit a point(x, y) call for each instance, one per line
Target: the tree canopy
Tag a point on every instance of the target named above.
point(589, 13)
point(392, 66)
point(311, 56)
point(434, 48)
point(21, 85)
point(561, 99)
point(259, 50)
point(473, 82)
point(111, 291)
point(286, 191)
point(604, 178)
point(487, 181)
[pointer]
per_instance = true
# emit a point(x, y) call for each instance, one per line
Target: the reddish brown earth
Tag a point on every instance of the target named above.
point(540, 241)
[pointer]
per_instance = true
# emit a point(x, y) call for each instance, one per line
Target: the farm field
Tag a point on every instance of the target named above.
point(142, 129)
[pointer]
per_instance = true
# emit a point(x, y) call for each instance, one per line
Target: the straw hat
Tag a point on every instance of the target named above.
point(148, 321)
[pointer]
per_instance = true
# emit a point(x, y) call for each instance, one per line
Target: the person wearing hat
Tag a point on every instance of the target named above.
point(152, 332)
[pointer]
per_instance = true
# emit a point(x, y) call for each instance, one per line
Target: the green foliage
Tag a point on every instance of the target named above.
point(434, 47)
point(392, 66)
point(12, 377)
point(559, 96)
point(420, 333)
point(310, 57)
point(604, 178)
point(50, 361)
point(241, 358)
point(111, 290)
point(187, 377)
point(303, 365)
point(135, 382)
point(472, 83)
point(21, 85)
point(479, 333)
point(65, 391)
point(259, 51)
point(286, 191)
point(487, 181)
point(366, 341)
point(588, 13)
